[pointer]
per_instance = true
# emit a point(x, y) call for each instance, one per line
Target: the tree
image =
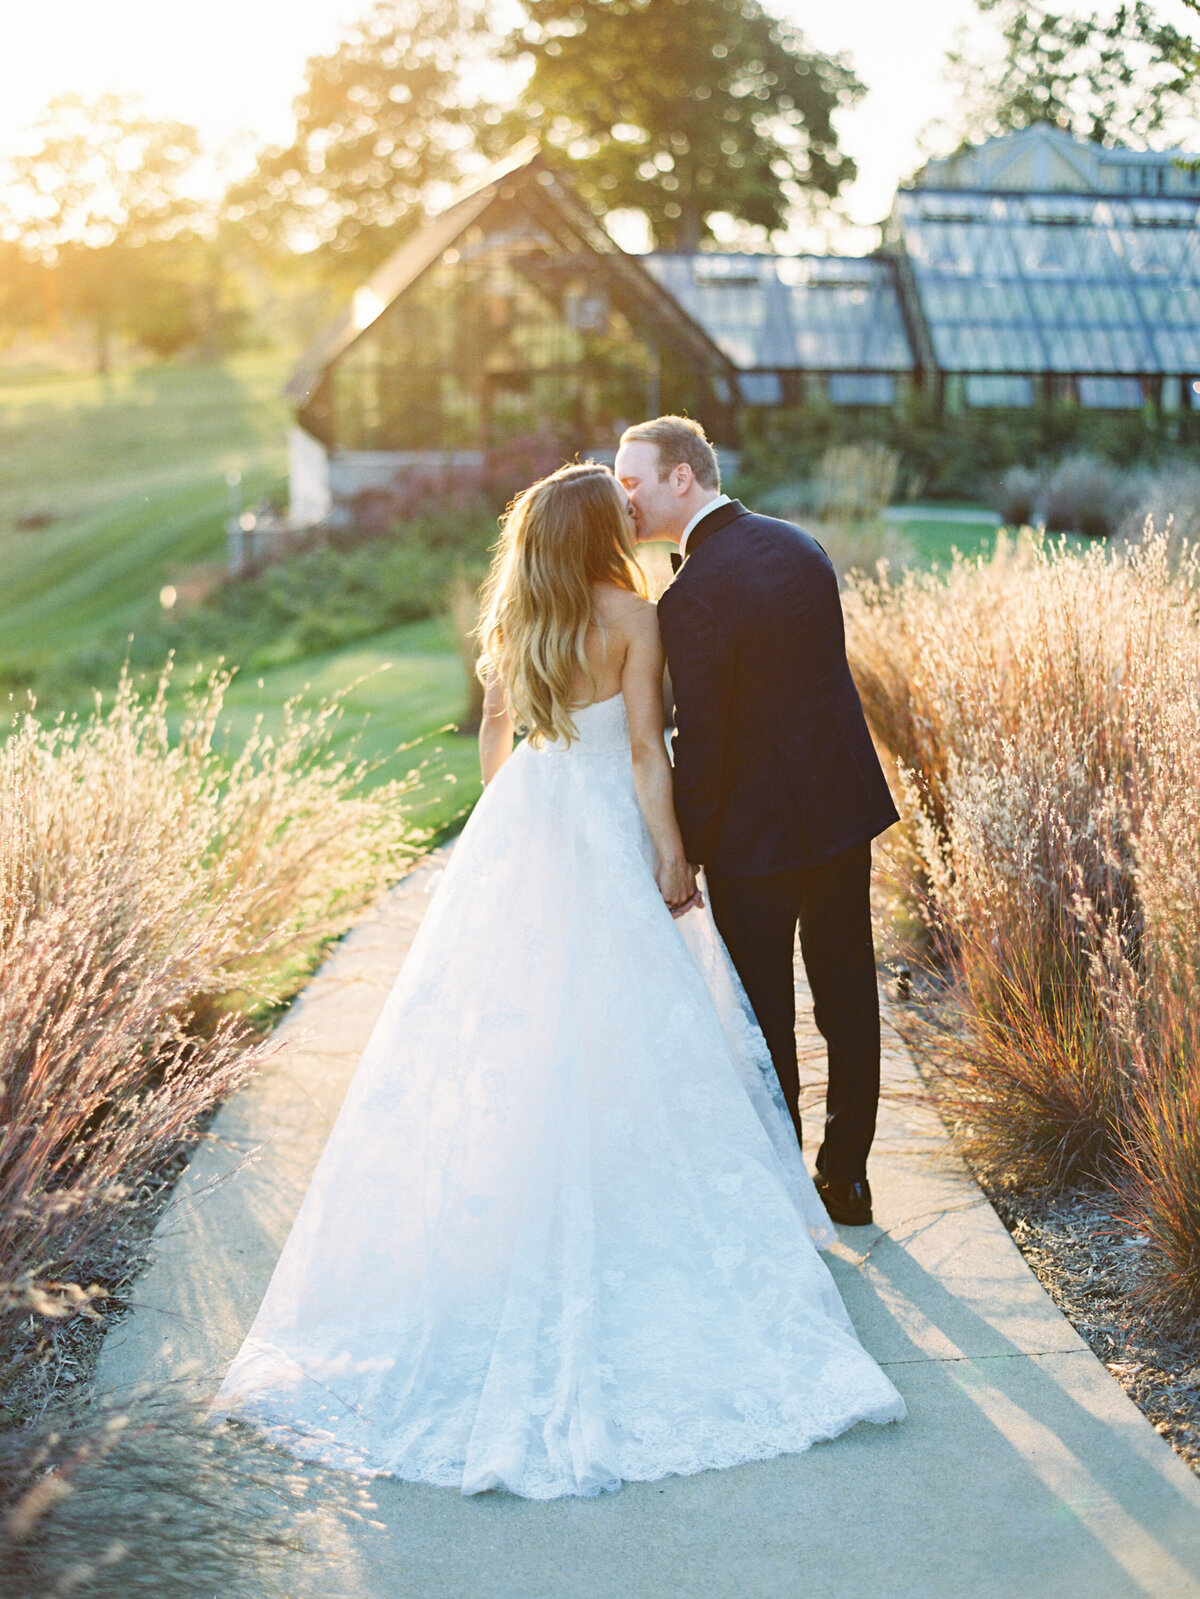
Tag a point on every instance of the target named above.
point(1113, 77)
point(26, 292)
point(1171, 47)
point(101, 186)
point(380, 121)
point(685, 108)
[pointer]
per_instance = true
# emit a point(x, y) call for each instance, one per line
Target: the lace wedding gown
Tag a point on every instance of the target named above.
point(561, 1234)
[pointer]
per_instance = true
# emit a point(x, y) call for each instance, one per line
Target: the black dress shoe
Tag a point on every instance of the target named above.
point(848, 1203)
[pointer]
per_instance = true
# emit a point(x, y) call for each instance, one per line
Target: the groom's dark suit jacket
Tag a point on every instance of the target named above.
point(774, 766)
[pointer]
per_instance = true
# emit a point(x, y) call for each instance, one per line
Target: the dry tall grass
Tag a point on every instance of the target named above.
point(1044, 711)
point(154, 894)
point(140, 1498)
point(854, 481)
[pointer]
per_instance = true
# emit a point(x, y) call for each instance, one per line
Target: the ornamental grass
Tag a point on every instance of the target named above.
point(137, 1496)
point(1043, 710)
point(158, 896)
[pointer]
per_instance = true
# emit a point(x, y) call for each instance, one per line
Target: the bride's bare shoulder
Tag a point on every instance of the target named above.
point(617, 607)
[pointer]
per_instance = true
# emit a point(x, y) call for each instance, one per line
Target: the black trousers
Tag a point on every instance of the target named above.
point(757, 917)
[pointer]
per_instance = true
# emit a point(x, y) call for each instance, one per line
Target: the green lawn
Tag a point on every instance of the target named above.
point(399, 692)
point(934, 539)
point(133, 471)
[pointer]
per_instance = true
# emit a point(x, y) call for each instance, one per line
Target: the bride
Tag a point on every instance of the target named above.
point(561, 1235)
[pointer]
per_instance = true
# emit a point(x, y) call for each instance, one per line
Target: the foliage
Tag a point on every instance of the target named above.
point(685, 108)
point(101, 196)
point(1086, 495)
point(1168, 498)
point(947, 455)
point(1043, 708)
point(154, 894)
point(380, 120)
point(26, 291)
point(1108, 77)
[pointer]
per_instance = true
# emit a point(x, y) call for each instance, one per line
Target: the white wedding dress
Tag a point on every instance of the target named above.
point(561, 1234)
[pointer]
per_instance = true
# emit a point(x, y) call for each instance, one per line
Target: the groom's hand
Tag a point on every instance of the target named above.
point(696, 903)
point(677, 885)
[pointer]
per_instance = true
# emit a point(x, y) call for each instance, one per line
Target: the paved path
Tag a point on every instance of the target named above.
point(1022, 1471)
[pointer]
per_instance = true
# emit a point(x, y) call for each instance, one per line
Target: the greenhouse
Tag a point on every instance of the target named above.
point(512, 314)
point(1032, 270)
point(796, 326)
point(1027, 297)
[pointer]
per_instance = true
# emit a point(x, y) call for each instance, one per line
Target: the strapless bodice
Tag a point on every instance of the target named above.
point(603, 729)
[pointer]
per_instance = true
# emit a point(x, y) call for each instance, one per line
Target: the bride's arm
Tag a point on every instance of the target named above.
point(641, 684)
point(495, 730)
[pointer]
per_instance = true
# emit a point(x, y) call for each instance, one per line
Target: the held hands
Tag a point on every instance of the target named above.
point(677, 884)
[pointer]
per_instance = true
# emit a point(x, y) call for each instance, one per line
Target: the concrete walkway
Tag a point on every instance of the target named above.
point(1022, 1471)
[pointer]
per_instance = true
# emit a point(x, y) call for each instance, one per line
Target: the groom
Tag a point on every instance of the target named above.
point(777, 785)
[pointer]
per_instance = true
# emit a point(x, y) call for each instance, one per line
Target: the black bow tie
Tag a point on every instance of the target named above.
point(676, 560)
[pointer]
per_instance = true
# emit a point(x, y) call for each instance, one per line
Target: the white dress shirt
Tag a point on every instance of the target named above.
point(721, 499)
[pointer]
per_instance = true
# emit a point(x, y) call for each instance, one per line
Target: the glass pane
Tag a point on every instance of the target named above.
point(862, 388)
point(812, 313)
point(1110, 394)
point(508, 333)
point(1065, 283)
point(998, 390)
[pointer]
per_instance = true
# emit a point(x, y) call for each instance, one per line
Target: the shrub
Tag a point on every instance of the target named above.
point(1016, 497)
point(1169, 499)
point(1085, 495)
point(854, 481)
point(950, 454)
point(448, 494)
point(321, 598)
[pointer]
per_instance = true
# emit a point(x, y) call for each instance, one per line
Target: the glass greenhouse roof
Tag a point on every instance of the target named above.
point(1055, 282)
point(783, 313)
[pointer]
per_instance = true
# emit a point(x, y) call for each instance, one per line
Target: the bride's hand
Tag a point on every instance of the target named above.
point(677, 885)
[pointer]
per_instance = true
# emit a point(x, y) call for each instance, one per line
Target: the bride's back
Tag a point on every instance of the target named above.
point(606, 642)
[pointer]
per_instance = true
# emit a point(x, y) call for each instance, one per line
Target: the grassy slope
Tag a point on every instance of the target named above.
point(400, 690)
point(134, 471)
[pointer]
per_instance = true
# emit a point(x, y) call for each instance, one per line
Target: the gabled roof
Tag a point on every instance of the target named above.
point(1043, 158)
point(523, 172)
point(1040, 156)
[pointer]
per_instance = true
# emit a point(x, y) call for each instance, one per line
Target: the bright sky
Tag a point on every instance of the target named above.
point(232, 67)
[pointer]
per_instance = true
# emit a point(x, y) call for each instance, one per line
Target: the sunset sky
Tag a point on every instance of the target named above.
point(232, 67)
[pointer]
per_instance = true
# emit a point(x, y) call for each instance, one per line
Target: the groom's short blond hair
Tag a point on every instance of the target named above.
point(680, 442)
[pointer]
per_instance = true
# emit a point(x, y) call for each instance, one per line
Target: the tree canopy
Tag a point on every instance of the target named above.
point(100, 197)
point(1117, 76)
point(381, 120)
point(685, 108)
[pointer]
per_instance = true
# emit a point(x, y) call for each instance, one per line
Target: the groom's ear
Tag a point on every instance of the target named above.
point(682, 478)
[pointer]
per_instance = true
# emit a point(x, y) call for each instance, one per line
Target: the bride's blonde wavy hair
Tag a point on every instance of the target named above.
point(562, 535)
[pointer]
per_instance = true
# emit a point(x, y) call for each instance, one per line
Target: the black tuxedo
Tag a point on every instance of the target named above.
point(779, 792)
